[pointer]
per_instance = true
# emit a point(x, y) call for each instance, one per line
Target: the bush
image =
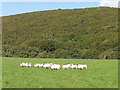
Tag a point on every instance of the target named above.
point(25, 52)
point(42, 54)
point(48, 46)
point(90, 54)
point(61, 53)
point(8, 51)
point(113, 55)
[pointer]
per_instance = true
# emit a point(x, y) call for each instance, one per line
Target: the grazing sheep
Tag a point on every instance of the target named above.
point(21, 65)
point(29, 65)
point(48, 65)
point(69, 65)
point(36, 65)
point(40, 65)
point(26, 64)
point(80, 66)
point(73, 66)
point(85, 66)
point(55, 67)
point(65, 66)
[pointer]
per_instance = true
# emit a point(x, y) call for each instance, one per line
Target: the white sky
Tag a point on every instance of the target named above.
point(109, 3)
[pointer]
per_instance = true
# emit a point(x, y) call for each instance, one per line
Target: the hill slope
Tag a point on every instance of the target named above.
point(70, 33)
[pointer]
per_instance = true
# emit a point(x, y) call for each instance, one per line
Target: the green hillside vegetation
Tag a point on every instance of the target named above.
point(89, 33)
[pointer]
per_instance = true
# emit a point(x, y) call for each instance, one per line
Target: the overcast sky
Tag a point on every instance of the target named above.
point(9, 7)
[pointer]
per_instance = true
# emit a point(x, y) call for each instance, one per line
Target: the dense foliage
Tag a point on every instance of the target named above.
point(88, 33)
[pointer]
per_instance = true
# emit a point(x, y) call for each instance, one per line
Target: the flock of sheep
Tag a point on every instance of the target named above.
point(53, 66)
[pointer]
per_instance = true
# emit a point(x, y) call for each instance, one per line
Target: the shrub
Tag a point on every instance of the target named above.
point(42, 54)
point(48, 46)
point(90, 54)
point(25, 52)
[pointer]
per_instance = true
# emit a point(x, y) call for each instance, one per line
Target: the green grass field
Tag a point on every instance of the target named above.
point(100, 74)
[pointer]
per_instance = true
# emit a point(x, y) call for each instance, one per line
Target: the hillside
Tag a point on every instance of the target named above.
point(64, 33)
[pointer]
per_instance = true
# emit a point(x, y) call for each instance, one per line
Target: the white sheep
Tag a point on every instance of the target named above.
point(41, 65)
point(29, 65)
point(65, 66)
point(47, 65)
point(21, 65)
point(73, 66)
point(55, 67)
point(26, 64)
point(80, 66)
point(36, 65)
point(69, 65)
point(85, 66)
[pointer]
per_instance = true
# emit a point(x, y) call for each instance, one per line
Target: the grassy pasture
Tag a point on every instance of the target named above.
point(100, 74)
